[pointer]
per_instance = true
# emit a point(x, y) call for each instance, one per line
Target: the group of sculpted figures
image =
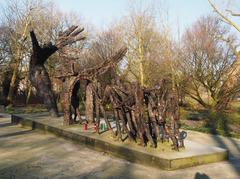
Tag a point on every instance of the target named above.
point(140, 114)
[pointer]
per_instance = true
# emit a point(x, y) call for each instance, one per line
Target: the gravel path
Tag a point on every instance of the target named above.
point(25, 153)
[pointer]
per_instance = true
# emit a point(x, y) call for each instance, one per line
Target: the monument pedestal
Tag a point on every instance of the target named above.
point(192, 155)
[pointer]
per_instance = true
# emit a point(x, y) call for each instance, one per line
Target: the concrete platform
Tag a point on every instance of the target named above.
point(162, 157)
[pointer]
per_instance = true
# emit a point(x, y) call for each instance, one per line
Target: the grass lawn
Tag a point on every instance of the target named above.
point(225, 123)
point(24, 110)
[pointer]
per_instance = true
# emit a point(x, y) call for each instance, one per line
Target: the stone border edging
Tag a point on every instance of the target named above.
point(124, 152)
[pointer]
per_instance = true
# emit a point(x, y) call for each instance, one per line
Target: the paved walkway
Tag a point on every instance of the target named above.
point(31, 154)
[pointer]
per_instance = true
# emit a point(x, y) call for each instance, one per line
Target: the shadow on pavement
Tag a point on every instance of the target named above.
point(107, 171)
point(228, 143)
point(16, 133)
point(6, 124)
point(201, 176)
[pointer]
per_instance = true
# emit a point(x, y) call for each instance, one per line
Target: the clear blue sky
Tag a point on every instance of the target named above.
point(103, 12)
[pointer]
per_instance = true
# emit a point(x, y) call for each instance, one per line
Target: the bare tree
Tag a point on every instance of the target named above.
point(150, 47)
point(17, 20)
point(224, 15)
point(210, 64)
point(37, 72)
point(100, 49)
point(5, 49)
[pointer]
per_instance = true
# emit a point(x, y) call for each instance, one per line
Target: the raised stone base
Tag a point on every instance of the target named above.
point(161, 157)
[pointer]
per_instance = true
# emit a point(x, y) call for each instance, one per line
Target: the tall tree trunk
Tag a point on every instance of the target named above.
point(38, 74)
point(39, 78)
point(29, 93)
point(89, 103)
point(13, 83)
point(18, 58)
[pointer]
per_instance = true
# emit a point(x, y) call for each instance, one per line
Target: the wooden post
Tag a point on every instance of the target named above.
point(89, 103)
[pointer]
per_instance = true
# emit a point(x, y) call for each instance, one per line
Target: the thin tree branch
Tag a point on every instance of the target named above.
point(227, 20)
point(232, 13)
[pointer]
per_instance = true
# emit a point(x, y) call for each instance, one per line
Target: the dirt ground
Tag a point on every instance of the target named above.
point(26, 153)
